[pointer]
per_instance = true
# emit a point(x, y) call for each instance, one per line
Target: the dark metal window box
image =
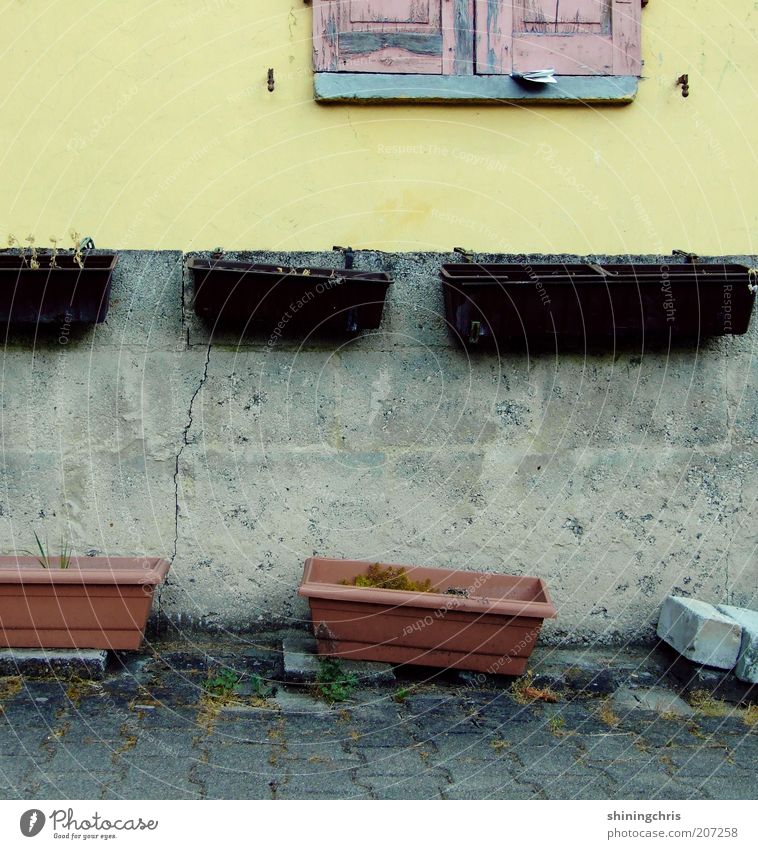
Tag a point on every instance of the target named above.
point(282, 298)
point(539, 304)
point(48, 295)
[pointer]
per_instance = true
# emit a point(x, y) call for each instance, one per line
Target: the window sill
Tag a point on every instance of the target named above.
point(330, 87)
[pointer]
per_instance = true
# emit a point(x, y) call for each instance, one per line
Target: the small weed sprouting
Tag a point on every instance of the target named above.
point(557, 725)
point(333, 684)
point(260, 689)
point(45, 559)
point(401, 694)
point(222, 684)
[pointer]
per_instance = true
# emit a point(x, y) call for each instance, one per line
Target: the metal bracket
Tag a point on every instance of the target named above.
point(467, 255)
point(684, 82)
point(687, 256)
point(349, 255)
point(351, 324)
point(474, 332)
point(87, 244)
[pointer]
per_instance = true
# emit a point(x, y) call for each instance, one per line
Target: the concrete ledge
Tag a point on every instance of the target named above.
point(301, 664)
point(432, 88)
point(61, 663)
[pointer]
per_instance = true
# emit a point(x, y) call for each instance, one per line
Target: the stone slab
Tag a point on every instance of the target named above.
point(63, 663)
point(698, 631)
point(301, 664)
point(655, 699)
point(747, 662)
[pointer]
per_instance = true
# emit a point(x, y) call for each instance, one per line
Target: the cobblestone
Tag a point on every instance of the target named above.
point(151, 731)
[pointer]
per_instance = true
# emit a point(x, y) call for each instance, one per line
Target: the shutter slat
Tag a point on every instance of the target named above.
point(494, 35)
point(627, 37)
point(569, 54)
point(356, 43)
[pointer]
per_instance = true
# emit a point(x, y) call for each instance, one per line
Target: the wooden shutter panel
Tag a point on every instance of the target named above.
point(393, 36)
point(577, 37)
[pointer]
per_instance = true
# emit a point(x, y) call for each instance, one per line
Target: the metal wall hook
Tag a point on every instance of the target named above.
point(270, 79)
point(684, 82)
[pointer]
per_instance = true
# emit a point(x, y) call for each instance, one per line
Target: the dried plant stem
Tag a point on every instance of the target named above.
point(33, 261)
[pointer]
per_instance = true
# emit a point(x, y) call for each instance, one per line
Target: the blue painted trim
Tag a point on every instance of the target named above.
point(431, 88)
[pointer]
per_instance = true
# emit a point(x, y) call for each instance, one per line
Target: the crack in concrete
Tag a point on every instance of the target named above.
point(185, 443)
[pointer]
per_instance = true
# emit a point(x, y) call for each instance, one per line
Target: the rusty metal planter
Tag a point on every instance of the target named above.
point(48, 295)
point(97, 602)
point(540, 304)
point(493, 629)
point(282, 298)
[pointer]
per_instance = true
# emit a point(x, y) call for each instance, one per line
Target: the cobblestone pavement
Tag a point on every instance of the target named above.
point(150, 730)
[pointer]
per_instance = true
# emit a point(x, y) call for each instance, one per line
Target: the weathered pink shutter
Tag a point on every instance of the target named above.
point(393, 36)
point(577, 37)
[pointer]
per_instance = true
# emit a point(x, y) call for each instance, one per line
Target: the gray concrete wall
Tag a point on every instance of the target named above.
point(616, 477)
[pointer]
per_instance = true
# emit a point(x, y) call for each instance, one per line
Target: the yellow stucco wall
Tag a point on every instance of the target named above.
point(147, 123)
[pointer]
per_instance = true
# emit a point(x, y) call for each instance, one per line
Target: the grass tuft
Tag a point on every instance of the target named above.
point(524, 692)
point(608, 715)
point(705, 703)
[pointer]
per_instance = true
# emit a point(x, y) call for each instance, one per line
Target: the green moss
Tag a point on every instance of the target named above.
point(390, 578)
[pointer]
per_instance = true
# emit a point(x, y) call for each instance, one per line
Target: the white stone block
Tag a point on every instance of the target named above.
point(698, 631)
point(747, 663)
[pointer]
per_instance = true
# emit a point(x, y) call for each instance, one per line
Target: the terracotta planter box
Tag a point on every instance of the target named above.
point(282, 299)
point(47, 295)
point(493, 629)
point(96, 603)
point(541, 304)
